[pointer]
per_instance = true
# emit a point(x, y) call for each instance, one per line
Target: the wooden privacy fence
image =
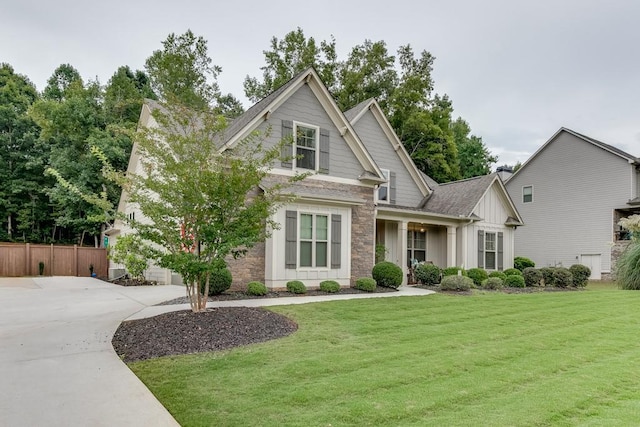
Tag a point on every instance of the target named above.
point(23, 259)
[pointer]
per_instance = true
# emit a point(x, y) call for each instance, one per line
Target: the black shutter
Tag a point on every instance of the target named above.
point(291, 240)
point(392, 188)
point(324, 151)
point(480, 249)
point(500, 252)
point(336, 240)
point(286, 152)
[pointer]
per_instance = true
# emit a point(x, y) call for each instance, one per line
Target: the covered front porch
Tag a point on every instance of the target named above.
point(408, 241)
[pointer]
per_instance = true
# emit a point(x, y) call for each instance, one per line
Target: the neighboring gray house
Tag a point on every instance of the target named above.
point(571, 193)
point(364, 190)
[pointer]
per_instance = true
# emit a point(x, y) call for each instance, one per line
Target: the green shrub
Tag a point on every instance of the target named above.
point(453, 271)
point(366, 284)
point(219, 281)
point(628, 267)
point(456, 283)
point(428, 274)
point(547, 275)
point(256, 288)
point(521, 263)
point(562, 277)
point(330, 286)
point(513, 272)
point(492, 283)
point(296, 287)
point(478, 275)
point(532, 276)
point(514, 281)
point(498, 274)
point(387, 274)
point(580, 274)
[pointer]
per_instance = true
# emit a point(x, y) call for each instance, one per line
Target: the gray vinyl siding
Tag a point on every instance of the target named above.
point(576, 187)
point(303, 106)
point(380, 148)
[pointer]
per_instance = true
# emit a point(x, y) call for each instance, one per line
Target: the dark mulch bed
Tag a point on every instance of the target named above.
point(239, 295)
point(183, 332)
point(126, 281)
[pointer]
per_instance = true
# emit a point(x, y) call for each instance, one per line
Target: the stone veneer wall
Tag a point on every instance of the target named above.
point(363, 225)
point(616, 251)
point(247, 268)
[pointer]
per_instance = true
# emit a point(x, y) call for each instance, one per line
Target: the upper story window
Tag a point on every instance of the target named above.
point(383, 190)
point(527, 194)
point(306, 146)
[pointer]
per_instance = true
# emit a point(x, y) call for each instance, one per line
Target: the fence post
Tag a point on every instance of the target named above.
point(27, 258)
point(75, 259)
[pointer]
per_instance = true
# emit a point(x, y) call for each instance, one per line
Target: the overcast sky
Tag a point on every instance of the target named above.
point(516, 71)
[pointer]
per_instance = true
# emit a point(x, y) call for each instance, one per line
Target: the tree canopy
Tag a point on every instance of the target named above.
point(403, 86)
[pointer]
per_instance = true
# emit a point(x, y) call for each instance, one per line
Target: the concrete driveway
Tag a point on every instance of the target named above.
point(57, 365)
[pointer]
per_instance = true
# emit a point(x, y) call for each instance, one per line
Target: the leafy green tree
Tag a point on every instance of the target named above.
point(200, 206)
point(474, 157)
point(24, 211)
point(289, 56)
point(124, 95)
point(60, 82)
point(368, 72)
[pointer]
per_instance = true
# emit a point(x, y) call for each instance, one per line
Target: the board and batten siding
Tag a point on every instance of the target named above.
point(303, 106)
point(576, 188)
point(383, 153)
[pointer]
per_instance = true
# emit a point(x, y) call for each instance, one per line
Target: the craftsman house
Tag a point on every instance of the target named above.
point(364, 191)
point(571, 193)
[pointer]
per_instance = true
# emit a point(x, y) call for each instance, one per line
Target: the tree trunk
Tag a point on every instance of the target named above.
point(96, 241)
point(9, 226)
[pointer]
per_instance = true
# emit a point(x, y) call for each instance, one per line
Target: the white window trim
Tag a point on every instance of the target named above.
point(316, 148)
point(385, 185)
point(314, 241)
point(494, 251)
point(527, 186)
point(411, 244)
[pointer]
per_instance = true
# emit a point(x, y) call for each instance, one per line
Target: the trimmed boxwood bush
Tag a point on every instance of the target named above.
point(330, 286)
point(547, 276)
point(514, 281)
point(453, 271)
point(387, 274)
point(219, 281)
point(562, 277)
point(366, 284)
point(513, 272)
point(456, 283)
point(428, 274)
point(581, 274)
point(256, 288)
point(296, 287)
point(478, 275)
point(498, 274)
point(532, 276)
point(492, 283)
point(521, 263)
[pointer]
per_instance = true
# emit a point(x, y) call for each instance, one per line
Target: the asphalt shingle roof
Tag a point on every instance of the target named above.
point(458, 198)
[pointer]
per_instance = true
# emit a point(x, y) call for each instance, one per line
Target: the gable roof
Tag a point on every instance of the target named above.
point(609, 148)
point(460, 198)
point(261, 111)
point(357, 112)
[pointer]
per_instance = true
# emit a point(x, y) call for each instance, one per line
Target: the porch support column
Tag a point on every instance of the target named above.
point(402, 240)
point(451, 246)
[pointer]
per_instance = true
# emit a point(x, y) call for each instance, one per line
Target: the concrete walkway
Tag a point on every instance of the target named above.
point(57, 365)
point(403, 291)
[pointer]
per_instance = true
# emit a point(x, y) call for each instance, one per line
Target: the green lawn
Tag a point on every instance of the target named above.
point(566, 358)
